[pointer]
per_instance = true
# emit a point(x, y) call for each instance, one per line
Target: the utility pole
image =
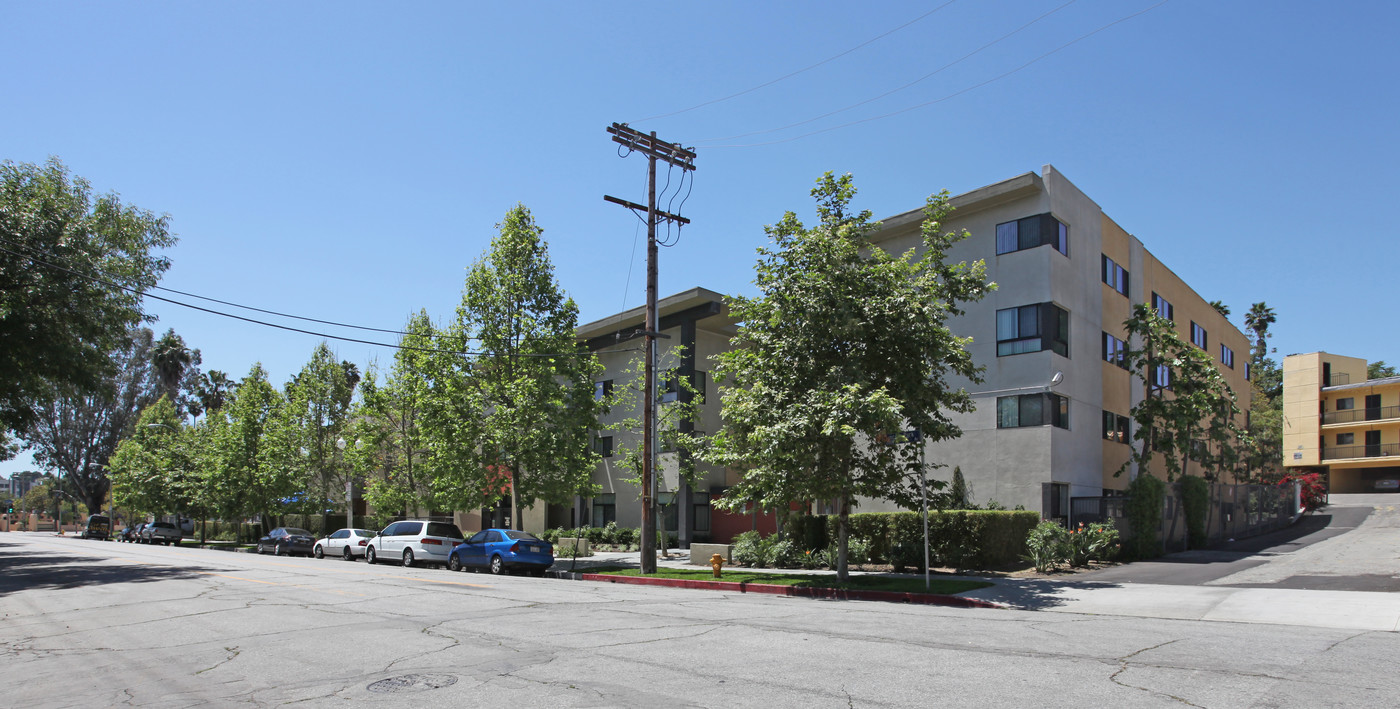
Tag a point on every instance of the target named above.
point(683, 158)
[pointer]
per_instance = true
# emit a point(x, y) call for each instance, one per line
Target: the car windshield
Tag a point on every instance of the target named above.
point(363, 532)
point(442, 529)
point(520, 536)
point(298, 532)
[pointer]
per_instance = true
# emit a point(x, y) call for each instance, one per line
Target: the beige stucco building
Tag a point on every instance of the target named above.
point(1337, 421)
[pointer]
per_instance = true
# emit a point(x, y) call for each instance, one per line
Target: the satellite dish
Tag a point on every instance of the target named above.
point(1059, 377)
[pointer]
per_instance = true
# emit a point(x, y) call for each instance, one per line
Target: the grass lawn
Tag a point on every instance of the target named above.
point(865, 582)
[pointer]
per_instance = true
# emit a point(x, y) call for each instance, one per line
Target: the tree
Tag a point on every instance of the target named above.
point(533, 381)
point(318, 401)
point(1265, 456)
point(391, 446)
point(76, 432)
point(959, 495)
point(1380, 370)
point(249, 474)
point(1220, 307)
point(1189, 411)
point(72, 271)
point(1258, 320)
point(171, 358)
point(845, 345)
point(210, 392)
point(158, 469)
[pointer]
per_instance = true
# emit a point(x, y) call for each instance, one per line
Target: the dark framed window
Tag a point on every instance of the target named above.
point(1162, 377)
point(604, 509)
point(1115, 276)
point(700, 509)
point(670, 386)
point(603, 446)
point(1115, 351)
point(1346, 404)
point(1162, 307)
point(1030, 232)
point(602, 389)
point(1033, 328)
point(1248, 372)
point(1115, 427)
point(1227, 358)
point(1198, 335)
point(1032, 410)
point(1346, 439)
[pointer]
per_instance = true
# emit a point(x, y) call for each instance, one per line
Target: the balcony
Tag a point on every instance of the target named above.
point(1376, 413)
point(1375, 450)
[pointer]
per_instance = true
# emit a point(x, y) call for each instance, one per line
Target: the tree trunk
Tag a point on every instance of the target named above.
point(842, 539)
point(514, 501)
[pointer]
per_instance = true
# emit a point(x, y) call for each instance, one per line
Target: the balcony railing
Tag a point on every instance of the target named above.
point(1374, 413)
point(1375, 450)
point(1339, 379)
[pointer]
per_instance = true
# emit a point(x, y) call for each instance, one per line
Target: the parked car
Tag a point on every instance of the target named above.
point(502, 550)
point(133, 533)
point(161, 533)
point(345, 543)
point(287, 540)
point(413, 541)
point(97, 527)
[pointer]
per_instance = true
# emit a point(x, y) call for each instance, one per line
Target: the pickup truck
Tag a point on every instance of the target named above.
point(161, 532)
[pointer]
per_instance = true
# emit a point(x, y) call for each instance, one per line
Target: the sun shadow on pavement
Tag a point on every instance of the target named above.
point(29, 571)
point(1035, 594)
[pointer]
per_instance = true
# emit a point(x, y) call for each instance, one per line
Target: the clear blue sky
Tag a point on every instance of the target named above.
point(349, 161)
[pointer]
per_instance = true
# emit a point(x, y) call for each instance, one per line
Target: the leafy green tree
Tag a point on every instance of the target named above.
point(845, 345)
point(391, 446)
point(1265, 455)
point(245, 476)
point(77, 431)
point(533, 380)
point(1189, 411)
point(1380, 370)
point(314, 418)
point(158, 468)
point(73, 267)
point(959, 495)
point(1258, 320)
point(40, 497)
point(172, 359)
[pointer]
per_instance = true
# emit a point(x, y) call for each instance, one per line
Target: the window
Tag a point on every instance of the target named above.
point(602, 390)
point(1346, 404)
point(604, 509)
point(670, 386)
point(1115, 276)
point(1115, 351)
point(1115, 427)
point(1248, 372)
point(1162, 378)
point(700, 509)
point(1032, 410)
point(1030, 232)
point(1227, 358)
point(1162, 307)
point(1032, 328)
point(1346, 439)
point(603, 446)
point(1198, 335)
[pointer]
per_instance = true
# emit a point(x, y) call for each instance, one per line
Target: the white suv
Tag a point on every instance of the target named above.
point(414, 541)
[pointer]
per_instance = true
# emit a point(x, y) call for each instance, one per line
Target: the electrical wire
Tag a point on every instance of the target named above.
point(139, 293)
point(954, 94)
point(897, 89)
point(799, 71)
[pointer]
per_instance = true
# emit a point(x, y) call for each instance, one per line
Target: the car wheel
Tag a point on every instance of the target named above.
point(349, 556)
point(277, 550)
point(453, 563)
point(408, 558)
point(369, 556)
point(318, 553)
point(497, 566)
point(260, 548)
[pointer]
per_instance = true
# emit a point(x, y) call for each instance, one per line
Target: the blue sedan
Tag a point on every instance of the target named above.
point(502, 550)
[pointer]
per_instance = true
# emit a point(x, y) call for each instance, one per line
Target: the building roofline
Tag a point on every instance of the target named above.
point(635, 317)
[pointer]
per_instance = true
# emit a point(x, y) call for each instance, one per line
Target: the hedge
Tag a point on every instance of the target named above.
point(962, 539)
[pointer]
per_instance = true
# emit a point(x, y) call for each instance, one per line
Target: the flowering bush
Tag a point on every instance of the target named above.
point(1047, 546)
point(1314, 490)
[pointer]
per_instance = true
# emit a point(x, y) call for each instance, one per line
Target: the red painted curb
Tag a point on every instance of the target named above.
point(840, 594)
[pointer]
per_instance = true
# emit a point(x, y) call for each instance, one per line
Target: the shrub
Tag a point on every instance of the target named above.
point(1047, 546)
point(1103, 541)
point(1314, 491)
point(1144, 512)
point(783, 554)
point(818, 559)
point(749, 549)
point(628, 536)
point(1195, 501)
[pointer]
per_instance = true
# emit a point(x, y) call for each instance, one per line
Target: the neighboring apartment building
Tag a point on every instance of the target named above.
point(1052, 413)
point(21, 483)
point(1337, 421)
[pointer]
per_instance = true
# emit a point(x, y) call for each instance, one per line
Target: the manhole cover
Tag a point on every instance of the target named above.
point(412, 683)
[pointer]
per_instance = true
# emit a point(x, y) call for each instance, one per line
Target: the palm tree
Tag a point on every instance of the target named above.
point(171, 357)
point(1258, 320)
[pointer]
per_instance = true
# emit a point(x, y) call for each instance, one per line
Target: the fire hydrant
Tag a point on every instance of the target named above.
point(716, 561)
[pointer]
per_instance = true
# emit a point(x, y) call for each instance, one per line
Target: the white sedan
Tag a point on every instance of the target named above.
point(346, 543)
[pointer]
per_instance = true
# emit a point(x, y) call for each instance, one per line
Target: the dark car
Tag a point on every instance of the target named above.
point(97, 527)
point(287, 540)
point(502, 550)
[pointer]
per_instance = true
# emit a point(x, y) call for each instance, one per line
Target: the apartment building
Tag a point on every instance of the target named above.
point(1338, 422)
point(1051, 421)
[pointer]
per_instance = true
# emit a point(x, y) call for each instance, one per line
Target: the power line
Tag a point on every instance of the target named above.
point(897, 89)
point(954, 94)
point(795, 73)
point(288, 328)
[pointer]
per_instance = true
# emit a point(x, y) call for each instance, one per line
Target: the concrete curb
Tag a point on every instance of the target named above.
point(838, 594)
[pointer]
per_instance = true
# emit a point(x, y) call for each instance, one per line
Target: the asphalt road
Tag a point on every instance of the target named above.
point(88, 623)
